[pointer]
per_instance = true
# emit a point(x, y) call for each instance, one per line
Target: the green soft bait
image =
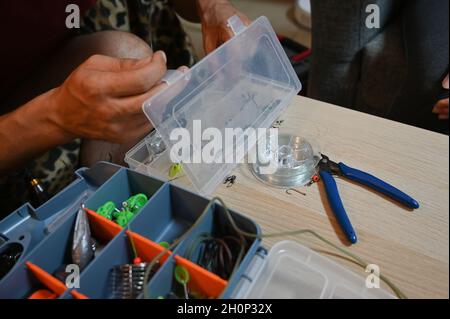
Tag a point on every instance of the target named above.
point(175, 169)
point(107, 210)
point(124, 217)
point(135, 203)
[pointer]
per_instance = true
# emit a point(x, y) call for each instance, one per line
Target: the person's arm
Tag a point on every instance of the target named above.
point(29, 131)
point(101, 99)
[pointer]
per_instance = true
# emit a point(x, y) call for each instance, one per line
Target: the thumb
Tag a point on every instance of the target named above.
point(111, 64)
point(445, 83)
point(158, 57)
point(135, 78)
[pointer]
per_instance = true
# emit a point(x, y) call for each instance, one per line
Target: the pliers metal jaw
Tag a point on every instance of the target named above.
point(328, 168)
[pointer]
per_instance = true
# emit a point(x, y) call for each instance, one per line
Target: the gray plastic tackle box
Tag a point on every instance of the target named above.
point(288, 270)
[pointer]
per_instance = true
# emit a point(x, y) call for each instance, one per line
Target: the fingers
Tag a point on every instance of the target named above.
point(133, 132)
point(125, 129)
point(140, 125)
point(134, 103)
point(139, 130)
point(228, 33)
point(210, 42)
point(445, 83)
point(441, 109)
point(106, 63)
point(131, 77)
point(245, 19)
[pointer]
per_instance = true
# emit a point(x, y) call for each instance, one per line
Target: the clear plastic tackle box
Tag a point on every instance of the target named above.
point(246, 83)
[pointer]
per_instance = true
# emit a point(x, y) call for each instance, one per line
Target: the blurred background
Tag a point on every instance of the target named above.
point(290, 18)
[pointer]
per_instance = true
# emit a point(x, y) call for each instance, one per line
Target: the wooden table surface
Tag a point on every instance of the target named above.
point(410, 247)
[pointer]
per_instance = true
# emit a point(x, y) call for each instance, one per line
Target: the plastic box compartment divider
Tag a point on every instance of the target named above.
point(170, 213)
point(55, 251)
point(124, 184)
point(28, 278)
point(201, 281)
point(28, 227)
point(96, 281)
point(217, 225)
point(77, 191)
point(52, 284)
point(174, 210)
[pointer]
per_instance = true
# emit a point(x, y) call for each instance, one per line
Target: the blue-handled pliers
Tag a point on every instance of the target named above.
point(328, 168)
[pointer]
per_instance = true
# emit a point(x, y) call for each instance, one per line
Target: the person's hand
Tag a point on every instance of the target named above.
point(441, 108)
point(214, 15)
point(102, 98)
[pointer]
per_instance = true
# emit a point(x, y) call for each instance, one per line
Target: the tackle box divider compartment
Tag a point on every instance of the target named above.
point(217, 224)
point(99, 173)
point(201, 281)
point(29, 226)
point(109, 228)
point(96, 281)
point(28, 278)
point(78, 295)
point(121, 186)
point(143, 244)
point(54, 252)
point(71, 194)
point(52, 283)
point(170, 213)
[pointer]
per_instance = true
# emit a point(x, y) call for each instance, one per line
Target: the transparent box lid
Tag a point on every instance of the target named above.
point(245, 84)
point(293, 271)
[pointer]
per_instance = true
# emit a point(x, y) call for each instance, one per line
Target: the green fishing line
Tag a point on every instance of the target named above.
point(243, 233)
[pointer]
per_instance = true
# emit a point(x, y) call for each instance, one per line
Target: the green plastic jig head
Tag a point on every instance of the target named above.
point(124, 217)
point(135, 203)
point(182, 277)
point(107, 210)
point(175, 169)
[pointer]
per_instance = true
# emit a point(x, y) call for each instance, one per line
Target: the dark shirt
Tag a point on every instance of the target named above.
point(29, 31)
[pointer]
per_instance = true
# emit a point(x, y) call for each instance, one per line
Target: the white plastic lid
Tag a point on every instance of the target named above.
point(293, 271)
point(244, 84)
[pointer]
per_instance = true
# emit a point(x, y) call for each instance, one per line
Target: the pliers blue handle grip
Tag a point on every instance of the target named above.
point(378, 185)
point(329, 168)
point(338, 208)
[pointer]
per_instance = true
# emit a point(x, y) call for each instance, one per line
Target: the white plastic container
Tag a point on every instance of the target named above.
point(245, 84)
point(292, 271)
